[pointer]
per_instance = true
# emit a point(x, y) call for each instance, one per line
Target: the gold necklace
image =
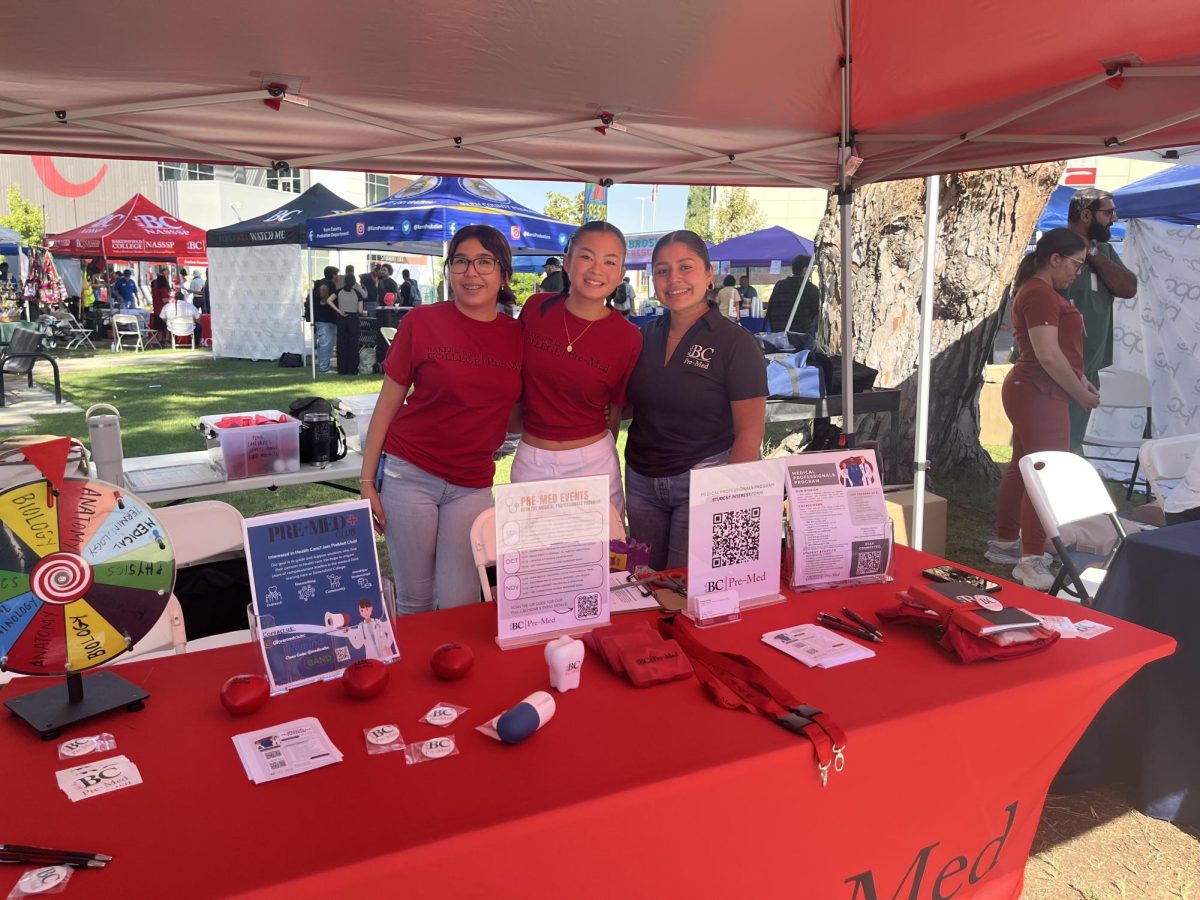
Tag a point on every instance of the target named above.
point(570, 342)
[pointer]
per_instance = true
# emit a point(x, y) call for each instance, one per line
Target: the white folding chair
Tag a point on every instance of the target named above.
point(127, 327)
point(1121, 389)
point(388, 334)
point(483, 544)
point(1166, 460)
point(1065, 488)
point(182, 327)
point(75, 333)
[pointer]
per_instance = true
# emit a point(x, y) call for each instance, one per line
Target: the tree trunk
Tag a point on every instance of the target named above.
point(984, 222)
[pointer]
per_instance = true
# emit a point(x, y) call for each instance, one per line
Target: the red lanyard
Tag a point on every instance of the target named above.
point(734, 682)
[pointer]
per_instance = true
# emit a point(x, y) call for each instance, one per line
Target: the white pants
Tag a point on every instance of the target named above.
point(600, 458)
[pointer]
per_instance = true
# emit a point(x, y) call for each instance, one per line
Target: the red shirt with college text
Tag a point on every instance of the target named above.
point(465, 377)
point(567, 395)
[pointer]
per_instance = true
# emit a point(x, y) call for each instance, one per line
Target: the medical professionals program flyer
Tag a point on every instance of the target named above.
point(314, 578)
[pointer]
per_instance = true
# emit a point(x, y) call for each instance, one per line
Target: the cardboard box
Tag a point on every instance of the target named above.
point(899, 508)
point(994, 427)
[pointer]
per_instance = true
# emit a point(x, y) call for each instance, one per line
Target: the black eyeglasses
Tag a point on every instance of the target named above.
point(484, 265)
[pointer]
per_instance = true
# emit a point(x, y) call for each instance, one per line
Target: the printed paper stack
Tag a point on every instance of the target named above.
point(287, 749)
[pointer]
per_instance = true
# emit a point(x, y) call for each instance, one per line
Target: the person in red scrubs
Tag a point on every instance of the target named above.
point(462, 362)
point(1039, 390)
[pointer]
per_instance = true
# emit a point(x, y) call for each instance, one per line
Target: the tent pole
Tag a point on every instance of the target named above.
point(312, 311)
point(920, 449)
point(846, 200)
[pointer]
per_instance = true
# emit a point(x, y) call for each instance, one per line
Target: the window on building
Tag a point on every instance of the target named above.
point(377, 188)
point(179, 171)
point(287, 180)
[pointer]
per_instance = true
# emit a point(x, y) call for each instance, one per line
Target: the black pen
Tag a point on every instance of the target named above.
point(50, 851)
point(861, 621)
point(836, 623)
point(40, 859)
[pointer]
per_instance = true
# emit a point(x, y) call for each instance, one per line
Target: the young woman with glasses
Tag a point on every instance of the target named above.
point(462, 362)
point(578, 358)
point(1038, 391)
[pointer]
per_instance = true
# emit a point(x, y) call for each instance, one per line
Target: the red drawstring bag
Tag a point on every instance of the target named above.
point(966, 646)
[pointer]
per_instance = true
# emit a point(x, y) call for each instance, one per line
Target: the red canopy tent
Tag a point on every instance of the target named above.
point(137, 230)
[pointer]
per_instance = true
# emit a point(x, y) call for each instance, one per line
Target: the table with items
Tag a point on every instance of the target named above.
point(626, 791)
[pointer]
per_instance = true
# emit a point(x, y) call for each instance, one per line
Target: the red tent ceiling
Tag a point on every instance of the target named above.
point(714, 92)
point(138, 230)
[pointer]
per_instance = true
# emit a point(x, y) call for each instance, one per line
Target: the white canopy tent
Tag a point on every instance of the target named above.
point(837, 94)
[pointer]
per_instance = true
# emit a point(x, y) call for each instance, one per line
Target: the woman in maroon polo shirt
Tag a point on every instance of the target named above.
point(578, 357)
point(1039, 389)
point(463, 363)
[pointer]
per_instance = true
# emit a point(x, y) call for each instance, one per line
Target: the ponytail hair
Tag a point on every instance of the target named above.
point(1060, 241)
point(494, 243)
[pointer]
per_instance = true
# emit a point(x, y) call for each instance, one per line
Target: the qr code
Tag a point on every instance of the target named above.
point(587, 606)
point(271, 754)
point(341, 654)
point(868, 562)
point(735, 536)
point(278, 764)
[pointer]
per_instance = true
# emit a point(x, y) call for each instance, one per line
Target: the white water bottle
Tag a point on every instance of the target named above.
point(104, 434)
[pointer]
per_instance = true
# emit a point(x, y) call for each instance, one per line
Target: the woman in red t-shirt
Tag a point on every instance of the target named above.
point(160, 296)
point(463, 363)
point(578, 357)
point(1048, 376)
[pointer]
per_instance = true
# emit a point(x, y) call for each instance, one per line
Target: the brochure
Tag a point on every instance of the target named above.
point(314, 579)
point(280, 751)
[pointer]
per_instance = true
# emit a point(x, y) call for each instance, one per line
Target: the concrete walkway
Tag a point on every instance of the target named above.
point(21, 404)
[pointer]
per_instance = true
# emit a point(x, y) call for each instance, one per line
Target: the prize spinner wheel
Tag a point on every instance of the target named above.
point(84, 575)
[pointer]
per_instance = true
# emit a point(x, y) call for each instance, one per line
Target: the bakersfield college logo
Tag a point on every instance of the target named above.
point(360, 228)
point(282, 215)
point(699, 356)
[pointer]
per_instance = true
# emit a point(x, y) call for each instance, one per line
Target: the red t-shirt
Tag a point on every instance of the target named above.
point(1037, 304)
point(466, 376)
point(567, 395)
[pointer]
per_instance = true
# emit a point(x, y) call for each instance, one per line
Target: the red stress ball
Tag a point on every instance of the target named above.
point(451, 661)
point(365, 678)
point(244, 694)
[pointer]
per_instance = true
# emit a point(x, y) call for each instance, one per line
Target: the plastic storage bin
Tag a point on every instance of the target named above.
point(355, 413)
point(250, 451)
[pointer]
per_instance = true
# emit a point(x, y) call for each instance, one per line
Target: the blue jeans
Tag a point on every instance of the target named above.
point(326, 334)
point(658, 512)
point(428, 533)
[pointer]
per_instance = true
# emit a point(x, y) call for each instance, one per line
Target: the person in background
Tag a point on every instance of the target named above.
point(553, 282)
point(729, 300)
point(462, 361)
point(7, 279)
point(1037, 393)
point(127, 290)
point(386, 286)
point(783, 296)
point(348, 301)
point(325, 316)
point(371, 301)
point(196, 290)
point(623, 298)
point(410, 294)
point(750, 301)
point(1101, 279)
point(578, 359)
point(160, 296)
point(699, 395)
point(1182, 503)
point(182, 308)
point(183, 283)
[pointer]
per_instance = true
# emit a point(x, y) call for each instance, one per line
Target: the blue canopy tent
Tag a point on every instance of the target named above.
point(1172, 195)
point(761, 248)
point(1055, 213)
point(423, 217)
point(10, 245)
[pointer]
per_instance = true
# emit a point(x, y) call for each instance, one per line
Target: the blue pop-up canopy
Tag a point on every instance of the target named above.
point(761, 248)
point(427, 213)
point(1055, 213)
point(1172, 195)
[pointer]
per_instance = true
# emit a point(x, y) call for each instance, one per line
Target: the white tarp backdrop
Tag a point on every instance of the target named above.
point(257, 299)
point(1157, 333)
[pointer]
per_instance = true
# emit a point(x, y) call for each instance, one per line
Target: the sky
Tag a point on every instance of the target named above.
point(624, 210)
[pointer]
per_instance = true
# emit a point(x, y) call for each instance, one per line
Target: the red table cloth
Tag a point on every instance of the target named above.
point(624, 793)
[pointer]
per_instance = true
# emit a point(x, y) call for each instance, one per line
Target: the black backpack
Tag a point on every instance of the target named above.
point(322, 439)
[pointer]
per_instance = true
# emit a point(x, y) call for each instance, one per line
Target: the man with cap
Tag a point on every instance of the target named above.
point(1101, 280)
point(553, 282)
point(127, 290)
